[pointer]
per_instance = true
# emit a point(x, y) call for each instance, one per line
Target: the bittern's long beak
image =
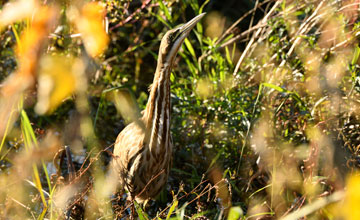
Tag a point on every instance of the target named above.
point(182, 33)
point(186, 28)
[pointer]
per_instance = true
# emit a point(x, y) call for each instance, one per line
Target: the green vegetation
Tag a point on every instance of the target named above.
point(265, 108)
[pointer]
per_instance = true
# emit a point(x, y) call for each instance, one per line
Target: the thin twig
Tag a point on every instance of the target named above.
point(24, 206)
point(70, 164)
point(128, 19)
point(263, 21)
point(252, 18)
point(231, 28)
point(187, 194)
point(150, 181)
point(310, 22)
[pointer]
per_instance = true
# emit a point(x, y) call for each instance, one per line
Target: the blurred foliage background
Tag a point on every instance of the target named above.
point(265, 102)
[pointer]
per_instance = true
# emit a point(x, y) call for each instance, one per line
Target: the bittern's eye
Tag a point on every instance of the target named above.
point(174, 35)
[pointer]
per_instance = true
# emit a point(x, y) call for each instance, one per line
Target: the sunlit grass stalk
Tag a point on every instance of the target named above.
point(261, 189)
point(28, 24)
point(42, 215)
point(273, 180)
point(172, 208)
point(51, 203)
point(16, 34)
point(30, 142)
point(140, 212)
point(6, 131)
point(93, 146)
point(260, 214)
point(102, 97)
point(25, 131)
point(28, 135)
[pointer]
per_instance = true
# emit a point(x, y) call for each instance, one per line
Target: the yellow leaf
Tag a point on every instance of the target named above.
point(17, 10)
point(90, 25)
point(33, 39)
point(29, 48)
point(56, 82)
point(352, 199)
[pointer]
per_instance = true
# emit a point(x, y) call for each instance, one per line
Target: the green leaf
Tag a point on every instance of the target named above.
point(203, 5)
point(228, 57)
point(172, 77)
point(181, 213)
point(277, 88)
point(235, 213)
point(195, 5)
point(356, 55)
point(213, 161)
point(161, 19)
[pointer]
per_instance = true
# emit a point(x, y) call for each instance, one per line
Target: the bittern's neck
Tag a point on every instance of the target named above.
point(157, 112)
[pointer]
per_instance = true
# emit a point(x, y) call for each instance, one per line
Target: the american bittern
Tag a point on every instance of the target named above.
point(143, 148)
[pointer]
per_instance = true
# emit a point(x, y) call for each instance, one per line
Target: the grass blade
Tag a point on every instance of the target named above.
point(190, 48)
point(165, 10)
point(172, 209)
point(6, 130)
point(140, 212)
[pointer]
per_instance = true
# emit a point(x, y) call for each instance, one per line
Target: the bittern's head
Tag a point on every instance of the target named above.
point(172, 40)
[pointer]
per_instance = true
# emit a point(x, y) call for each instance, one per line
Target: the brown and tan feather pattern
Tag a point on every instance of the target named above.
point(143, 149)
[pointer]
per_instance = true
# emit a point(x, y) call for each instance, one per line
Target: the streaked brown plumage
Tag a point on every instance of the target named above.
point(143, 149)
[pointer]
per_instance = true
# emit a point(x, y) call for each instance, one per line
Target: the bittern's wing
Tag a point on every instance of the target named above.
point(128, 145)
